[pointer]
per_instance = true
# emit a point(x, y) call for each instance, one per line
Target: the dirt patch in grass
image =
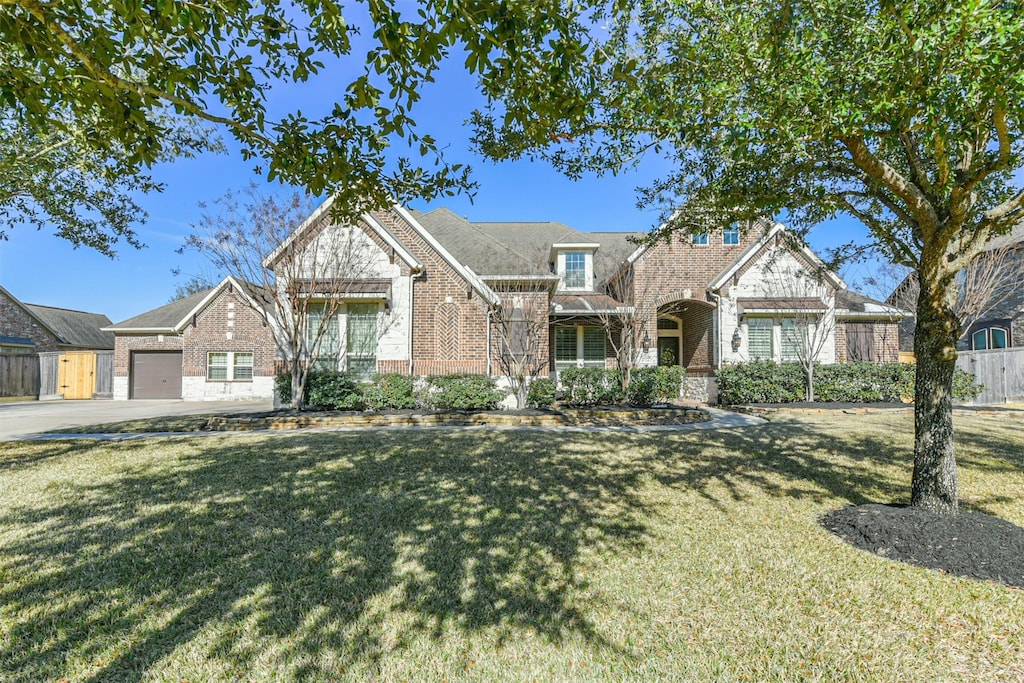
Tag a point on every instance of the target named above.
point(970, 544)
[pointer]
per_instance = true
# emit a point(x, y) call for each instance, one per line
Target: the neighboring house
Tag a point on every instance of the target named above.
point(437, 293)
point(1000, 323)
point(69, 350)
point(214, 345)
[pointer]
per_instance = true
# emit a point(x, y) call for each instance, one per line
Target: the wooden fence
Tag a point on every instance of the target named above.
point(19, 374)
point(1000, 370)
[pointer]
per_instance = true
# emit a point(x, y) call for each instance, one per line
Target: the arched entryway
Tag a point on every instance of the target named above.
point(686, 333)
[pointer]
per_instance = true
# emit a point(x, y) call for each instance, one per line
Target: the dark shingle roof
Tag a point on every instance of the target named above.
point(519, 248)
point(165, 317)
point(74, 328)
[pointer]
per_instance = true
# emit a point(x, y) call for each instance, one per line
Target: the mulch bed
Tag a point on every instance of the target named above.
point(970, 544)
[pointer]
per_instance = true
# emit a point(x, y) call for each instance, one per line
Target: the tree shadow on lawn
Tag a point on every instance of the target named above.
point(309, 545)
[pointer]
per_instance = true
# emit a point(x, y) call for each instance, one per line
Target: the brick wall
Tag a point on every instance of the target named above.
point(15, 322)
point(440, 292)
point(124, 344)
point(228, 324)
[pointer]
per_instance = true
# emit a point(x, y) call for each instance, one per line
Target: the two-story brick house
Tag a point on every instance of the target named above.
point(436, 293)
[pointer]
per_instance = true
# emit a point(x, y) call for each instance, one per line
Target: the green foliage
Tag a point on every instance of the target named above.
point(390, 392)
point(333, 390)
point(541, 393)
point(283, 387)
point(109, 71)
point(462, 392)
point(641, 390)
point(591, 386)
point(859, 382)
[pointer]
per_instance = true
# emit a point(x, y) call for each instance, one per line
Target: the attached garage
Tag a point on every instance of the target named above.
point(156, 374)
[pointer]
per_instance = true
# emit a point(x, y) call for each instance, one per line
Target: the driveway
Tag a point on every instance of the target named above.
point(22, 419)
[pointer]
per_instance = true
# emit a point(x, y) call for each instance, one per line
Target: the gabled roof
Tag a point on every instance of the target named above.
point(172, 318)
point(79, 329)
point(755, 248)
point(854, 305)
point(521, 248)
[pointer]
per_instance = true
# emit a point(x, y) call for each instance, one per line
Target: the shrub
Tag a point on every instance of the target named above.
point(855, 382)
point(590, 386)
point(334, 391)
point(642, 387)
point(462, 392)
point(541, 393)
point(283, 387)
point(668, 382)
point(390, 392)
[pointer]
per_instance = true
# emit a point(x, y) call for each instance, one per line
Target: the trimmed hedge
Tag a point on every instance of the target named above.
point(541, 393)
point(655, 385)
point(856, 382)
point(462, 392)
point(334, 391)
point(390, 392)
point(590, 386)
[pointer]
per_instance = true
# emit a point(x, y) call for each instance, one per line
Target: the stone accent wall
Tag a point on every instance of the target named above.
point(15, 322)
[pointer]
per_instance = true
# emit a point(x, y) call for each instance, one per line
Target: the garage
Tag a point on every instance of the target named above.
point(156, 374)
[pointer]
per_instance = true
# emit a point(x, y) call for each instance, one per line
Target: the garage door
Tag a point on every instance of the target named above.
point(156, 375)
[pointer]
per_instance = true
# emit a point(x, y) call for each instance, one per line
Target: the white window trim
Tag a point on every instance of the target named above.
point(987, 331)
point(231, 365)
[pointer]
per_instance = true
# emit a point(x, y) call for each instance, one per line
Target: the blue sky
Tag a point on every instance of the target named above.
point(39, 268)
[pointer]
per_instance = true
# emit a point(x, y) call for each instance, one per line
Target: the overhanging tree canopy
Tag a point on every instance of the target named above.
point(106, 70)
point(906, 116)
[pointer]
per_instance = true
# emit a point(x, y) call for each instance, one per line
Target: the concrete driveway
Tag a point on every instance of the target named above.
point(33, 417)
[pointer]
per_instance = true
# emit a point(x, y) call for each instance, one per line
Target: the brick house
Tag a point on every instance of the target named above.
point(32, 328)
point(215, 344)
point(441, 294)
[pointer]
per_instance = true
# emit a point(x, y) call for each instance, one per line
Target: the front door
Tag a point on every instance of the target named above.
point(668, 350)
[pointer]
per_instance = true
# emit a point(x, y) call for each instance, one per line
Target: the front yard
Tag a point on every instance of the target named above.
point(493, 555)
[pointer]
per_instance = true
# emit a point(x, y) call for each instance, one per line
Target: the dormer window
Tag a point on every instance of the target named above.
point(574, 263)
point(575, 270)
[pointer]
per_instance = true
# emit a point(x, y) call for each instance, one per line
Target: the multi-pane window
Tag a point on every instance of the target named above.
point(575, 270)
point(228, 366)
point(759, 338)
point(699, 238)
point(990, 338)
point(579, 346)
point(731, 235)
point(323, 341)
point(792, 336)
point(361, 337)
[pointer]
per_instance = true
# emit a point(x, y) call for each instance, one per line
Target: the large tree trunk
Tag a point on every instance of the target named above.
point(934, 484)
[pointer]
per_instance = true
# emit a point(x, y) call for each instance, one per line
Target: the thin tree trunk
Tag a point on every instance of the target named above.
point(810, 383)
point(934, 483)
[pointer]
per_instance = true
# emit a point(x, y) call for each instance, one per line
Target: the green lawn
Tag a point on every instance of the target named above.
point(493, 555)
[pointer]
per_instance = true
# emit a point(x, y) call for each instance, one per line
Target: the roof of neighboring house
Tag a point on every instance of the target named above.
point(1015, 236)
point(853, 304)
point(80, 329)
point(74, 328)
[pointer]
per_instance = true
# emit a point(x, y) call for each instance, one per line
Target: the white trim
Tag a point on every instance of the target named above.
point(392, 242)
point(465, 271)
point(313, 217)
point(755, 248)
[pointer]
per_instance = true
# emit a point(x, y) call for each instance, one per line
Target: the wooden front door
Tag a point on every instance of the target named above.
point(668, 350)
point(76, 374)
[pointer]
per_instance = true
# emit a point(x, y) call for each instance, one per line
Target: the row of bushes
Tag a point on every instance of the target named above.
point(341, 391)
point(592, 386)
point(860, 382)
point(581, 387)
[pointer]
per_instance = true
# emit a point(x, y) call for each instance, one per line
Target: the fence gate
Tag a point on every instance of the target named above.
point(49, 364)
point(1000, 370)
point(77, 374)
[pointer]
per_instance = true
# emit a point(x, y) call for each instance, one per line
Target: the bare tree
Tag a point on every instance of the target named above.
point(521, 327)
point(628, 323)
point(809, 324)
point(984, 284)
point(303, 278)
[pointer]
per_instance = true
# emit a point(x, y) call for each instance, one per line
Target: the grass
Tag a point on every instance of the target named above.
point(493, 555)
point(165, 423)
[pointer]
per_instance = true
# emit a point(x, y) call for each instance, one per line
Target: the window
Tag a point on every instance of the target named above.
point(579, 347)
point(699, 238)
point(990, 338)
point(361, 335)
point(731, 235)
point(575, 270)
point(229, 366)
point(792, 336)
point(322, 338)
point(759, 338)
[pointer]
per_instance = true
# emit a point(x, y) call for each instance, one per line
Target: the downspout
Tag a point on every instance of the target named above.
point(716, 328)
point(490, 312)
point(413, 272)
